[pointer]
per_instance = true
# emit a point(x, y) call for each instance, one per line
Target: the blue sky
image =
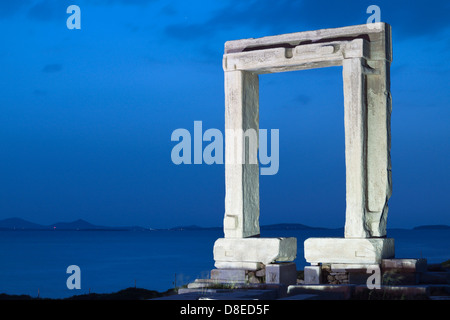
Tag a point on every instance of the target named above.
point(87, 115)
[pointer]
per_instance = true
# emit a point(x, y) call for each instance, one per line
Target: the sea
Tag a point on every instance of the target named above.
point(35, 263)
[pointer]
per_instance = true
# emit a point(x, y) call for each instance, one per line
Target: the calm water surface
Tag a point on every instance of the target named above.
point(114, 260)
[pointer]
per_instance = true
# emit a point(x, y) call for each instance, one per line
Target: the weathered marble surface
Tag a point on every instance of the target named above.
point(342, 250)
point(365, 54)
point(233, 252)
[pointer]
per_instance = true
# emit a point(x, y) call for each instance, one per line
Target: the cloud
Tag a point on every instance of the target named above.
point(302, 99)
point(283, 16)
point(407, 19)
point(169, 10)
point(52, 68)
point(39, 92)
point(125, 2)
point(255, 14)
point(188, 32)
point(299, 101)
point(236, 20)
point(10, 7)
point(47, 10)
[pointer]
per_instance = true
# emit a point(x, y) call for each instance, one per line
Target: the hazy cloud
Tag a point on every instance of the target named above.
point(10, 7)
point(39, 93)
point(52, 68)
point(302, 99)
point(299, 101)
point(169, 10)
point(125, 2)
point(408, 19)
point(284, 16)
point(257, 14)
point(47, 10)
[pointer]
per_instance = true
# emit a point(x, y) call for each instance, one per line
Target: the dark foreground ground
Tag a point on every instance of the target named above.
point(125, 294)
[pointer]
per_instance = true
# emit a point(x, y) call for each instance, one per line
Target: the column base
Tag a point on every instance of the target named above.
point(346, 250)
point(252, 253)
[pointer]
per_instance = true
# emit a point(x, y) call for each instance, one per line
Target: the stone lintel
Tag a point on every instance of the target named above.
point(345, 250)
point(301, 57)
point(253, 252)
point(377, 34)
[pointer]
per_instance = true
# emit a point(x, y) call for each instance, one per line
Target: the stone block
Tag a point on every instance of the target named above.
point(301, 57)
point(202, 283)
point(238, 265)
point(404, 265)
point(395, 278)
point(375, 33)
point(252, 278)
point(261, 272)
point(257, 251)
point(281, 273)
point(220, 294)
point(344, 250)
point(312, 275)
point(358, 277)
point(387, 278)
point(388, 292)
point(233, 275)
point(326, 291)
point(301, 297)
point(435, 277)
point(352, 267)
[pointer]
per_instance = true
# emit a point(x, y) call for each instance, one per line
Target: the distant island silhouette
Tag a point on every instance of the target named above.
point(18, 224)
point(80, 224)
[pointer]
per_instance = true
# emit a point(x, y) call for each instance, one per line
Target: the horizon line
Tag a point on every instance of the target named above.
point(195, 226)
